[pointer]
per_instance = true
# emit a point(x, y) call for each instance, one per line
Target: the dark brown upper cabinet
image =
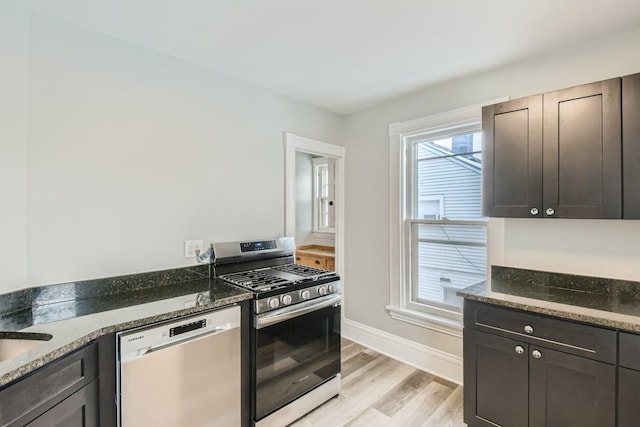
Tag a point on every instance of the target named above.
point(512, 158)
point(631, 146)
point(556, 155)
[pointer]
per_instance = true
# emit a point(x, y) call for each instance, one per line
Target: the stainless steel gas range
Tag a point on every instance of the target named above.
point(295, 339)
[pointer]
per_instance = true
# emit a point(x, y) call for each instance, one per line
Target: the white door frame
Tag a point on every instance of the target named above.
point(292, 144)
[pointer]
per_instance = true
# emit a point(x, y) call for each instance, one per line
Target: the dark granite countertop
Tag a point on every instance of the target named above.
point(79, 312)
point(601, 301)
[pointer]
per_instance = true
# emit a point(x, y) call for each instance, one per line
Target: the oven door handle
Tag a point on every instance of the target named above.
point(277, 316)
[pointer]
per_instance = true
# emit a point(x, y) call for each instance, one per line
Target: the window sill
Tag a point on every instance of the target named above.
point(434, 322)
point(324, 234)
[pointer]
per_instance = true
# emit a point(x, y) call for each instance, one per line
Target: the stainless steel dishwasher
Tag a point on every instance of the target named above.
point(184, 372)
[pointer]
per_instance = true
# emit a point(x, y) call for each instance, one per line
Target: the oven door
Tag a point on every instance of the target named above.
point(297, 349)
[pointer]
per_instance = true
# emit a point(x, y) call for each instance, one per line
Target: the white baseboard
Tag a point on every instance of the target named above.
point(420, 356)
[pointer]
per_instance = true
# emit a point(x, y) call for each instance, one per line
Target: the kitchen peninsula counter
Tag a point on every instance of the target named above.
point(605, 302)
point(77, 313)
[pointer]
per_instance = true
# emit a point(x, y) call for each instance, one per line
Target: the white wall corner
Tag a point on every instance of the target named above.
point(428, 359)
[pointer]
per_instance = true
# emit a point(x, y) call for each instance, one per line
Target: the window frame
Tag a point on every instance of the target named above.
point(317, 164)
point(462, 120)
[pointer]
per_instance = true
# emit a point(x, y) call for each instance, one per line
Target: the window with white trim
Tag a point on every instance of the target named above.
point(323, 194)
point(438, 233)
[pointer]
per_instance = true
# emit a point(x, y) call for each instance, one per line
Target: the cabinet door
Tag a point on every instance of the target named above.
point(631, 145)
point(30, 397)
point(567, 390)
point(495, 381)
point(583, 151)
point(628, 397)
point(78, 410)
point(512, 158)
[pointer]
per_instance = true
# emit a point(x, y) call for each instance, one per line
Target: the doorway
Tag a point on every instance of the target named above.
point(297, 147)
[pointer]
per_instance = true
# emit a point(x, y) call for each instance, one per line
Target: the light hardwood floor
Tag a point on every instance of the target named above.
point(380, 391)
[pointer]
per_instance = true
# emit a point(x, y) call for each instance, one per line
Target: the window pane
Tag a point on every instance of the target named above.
point(448, 172)
point(324, 181)
point(448, 257)
point(469, 144)
point(445, 256)
point(324, 213)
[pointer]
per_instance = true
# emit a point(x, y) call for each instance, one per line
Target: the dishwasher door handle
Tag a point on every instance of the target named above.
point(158, 347)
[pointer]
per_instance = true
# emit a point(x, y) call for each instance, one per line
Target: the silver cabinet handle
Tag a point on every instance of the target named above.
point(534, 211)
point(528, 329)
point(519, 349)
point(550, 211)
point(536, 354)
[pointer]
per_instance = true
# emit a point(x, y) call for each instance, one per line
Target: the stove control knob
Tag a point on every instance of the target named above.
point(331, 289)
point(273, 302)
point(286, 299)
point(304, 294)
point(322, 290)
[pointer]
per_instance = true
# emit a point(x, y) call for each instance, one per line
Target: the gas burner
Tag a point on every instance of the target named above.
point(255, 280)
point(303, 270)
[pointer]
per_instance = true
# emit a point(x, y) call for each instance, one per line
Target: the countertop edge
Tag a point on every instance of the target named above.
point(569, 312)
point(87, 337)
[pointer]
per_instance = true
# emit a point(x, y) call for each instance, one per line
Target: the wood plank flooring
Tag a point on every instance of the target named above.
point(380, 391)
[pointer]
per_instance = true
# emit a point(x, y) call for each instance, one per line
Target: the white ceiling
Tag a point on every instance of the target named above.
point(346, 55)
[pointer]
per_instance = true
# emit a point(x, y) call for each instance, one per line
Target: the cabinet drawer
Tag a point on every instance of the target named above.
point(44, 388)
point(310, 261)
point(630, 351)
point(570, 337)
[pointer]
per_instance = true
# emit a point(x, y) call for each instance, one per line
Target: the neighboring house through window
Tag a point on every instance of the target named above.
point(438, 234)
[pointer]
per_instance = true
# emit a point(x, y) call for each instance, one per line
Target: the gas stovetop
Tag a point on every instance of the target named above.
point(276, 277)
point(267, 268)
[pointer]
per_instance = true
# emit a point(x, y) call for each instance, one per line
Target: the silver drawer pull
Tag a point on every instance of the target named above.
point(528, 329)
point(534, 211)
point(536, 354)
point(519, 349)
point(550, 211)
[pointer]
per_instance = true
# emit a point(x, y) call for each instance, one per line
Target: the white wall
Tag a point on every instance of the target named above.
point(131, 152)
point(14, 39)
point(606, 248)
point(304, 197)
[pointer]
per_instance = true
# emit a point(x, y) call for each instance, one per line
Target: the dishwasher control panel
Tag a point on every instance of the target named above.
point(188, 327)
point(138, 341)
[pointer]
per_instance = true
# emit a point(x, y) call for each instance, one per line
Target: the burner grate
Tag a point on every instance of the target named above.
point(254, 279)
point(303, 270)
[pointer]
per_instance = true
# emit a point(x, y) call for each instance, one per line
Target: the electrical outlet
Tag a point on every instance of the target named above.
point(192, 248)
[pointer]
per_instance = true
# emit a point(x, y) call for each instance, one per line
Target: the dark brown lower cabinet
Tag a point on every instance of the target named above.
point(61, 393)
point(496, 390)
point(78, 410)
point(629, 380)
point(567, 390)
point(513, 382)
point(628, 397)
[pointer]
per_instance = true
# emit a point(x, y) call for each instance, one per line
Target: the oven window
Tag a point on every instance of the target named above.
point(295, 356)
